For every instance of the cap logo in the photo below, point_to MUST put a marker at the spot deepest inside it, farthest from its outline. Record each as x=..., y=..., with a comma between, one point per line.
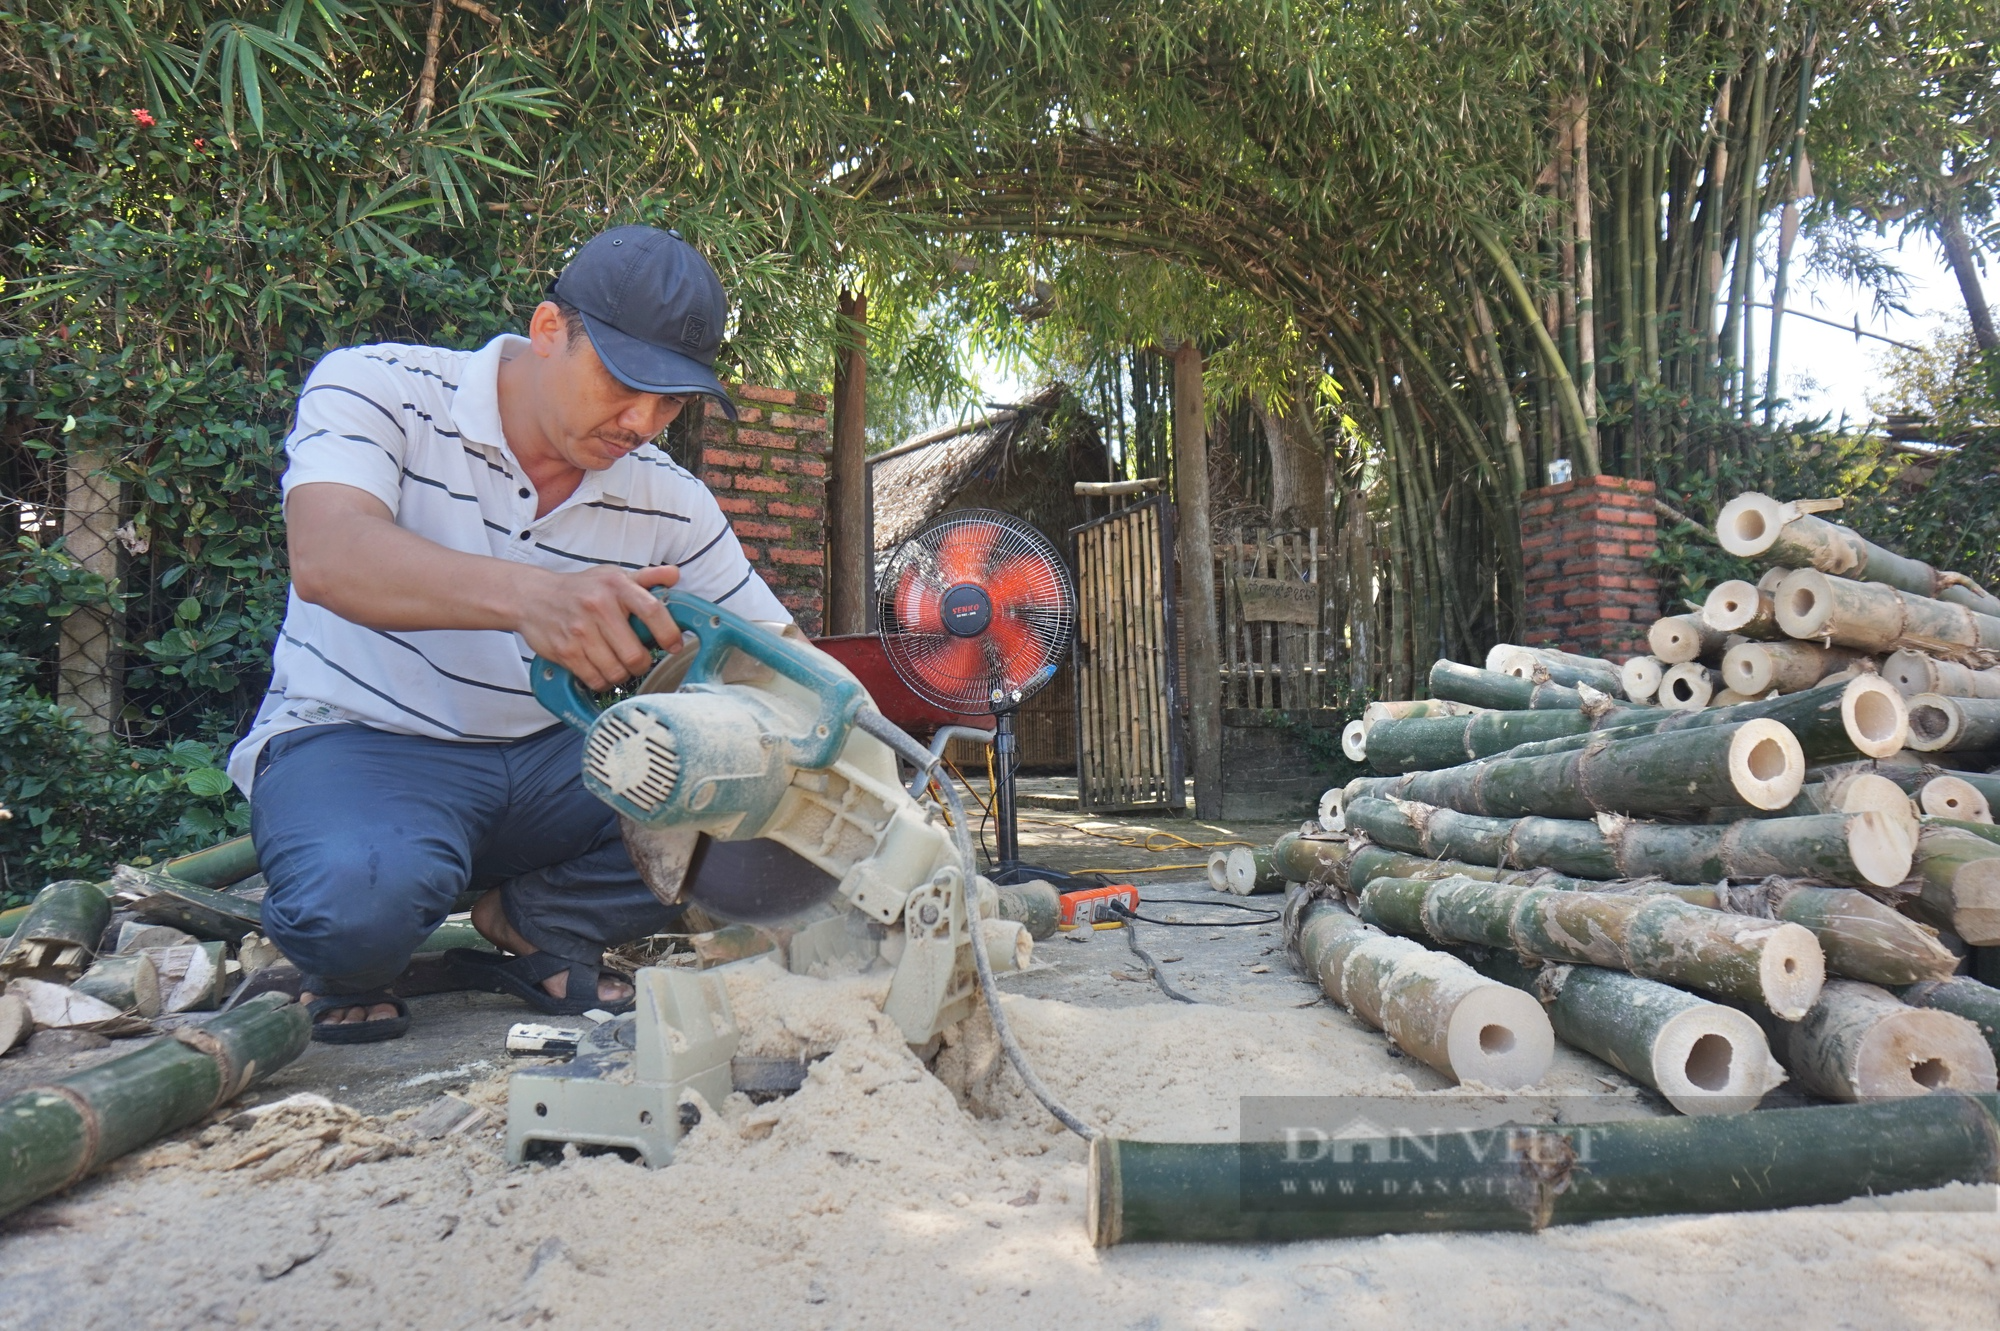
x=694, y=331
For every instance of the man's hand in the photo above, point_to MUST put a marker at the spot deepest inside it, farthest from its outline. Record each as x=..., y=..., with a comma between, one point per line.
x=581, y=621
x=349, y=555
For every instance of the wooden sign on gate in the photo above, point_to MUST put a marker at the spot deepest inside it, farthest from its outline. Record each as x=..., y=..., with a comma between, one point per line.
x=1279, y=601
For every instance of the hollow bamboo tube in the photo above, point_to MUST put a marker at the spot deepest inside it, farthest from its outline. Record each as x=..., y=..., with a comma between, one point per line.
x=1856, y=792
x=1861, y=1042
x=1688, y=686
x=1035, y=905
x=1704, y=1057
x=1303, y=859
x=1525, y=1179
x=1403, y=711
x=1755, y=526
x=1490, y=688
x=1354, y=741
x=1556, y=667
x=1955, y=797
x=1757, y=668
x=1942, y=724
x=1419, y=744
x=1329, y=810
x=1678, y=638
x=1856, y=849
x=1249, y=872
x=1861, y=938
x=1659, y=937
x=1964, y=996
x=1755, y=762
x=1640, y=678
x=1741, y=607
x=1915, y=673
x=128, y=983
x=1958, y=877
x=54, y=1135
x=58, y=935
x=1873, y=618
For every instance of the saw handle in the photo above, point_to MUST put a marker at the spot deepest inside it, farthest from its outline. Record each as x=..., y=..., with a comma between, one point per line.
x=720, y=632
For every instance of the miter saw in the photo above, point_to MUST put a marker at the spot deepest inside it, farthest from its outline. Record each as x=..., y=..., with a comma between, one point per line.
x=754, y=778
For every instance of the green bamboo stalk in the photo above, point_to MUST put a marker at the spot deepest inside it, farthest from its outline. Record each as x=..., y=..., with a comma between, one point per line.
x=1750, y=205
x=1552, y=359
x=1557, y=667
x=219, y=866
x=1496, y=691
x=1422, y=743
x=1525, y=1179
x=58, y=935
x=1303, y=859
x=54, y=1135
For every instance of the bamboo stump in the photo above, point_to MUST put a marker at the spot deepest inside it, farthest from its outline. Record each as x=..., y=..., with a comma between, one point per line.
x=1301, y=859
x=128, y=983
x=1860, y=1042
x=1958, y=884
x=1954, y=797
x=1249, y=872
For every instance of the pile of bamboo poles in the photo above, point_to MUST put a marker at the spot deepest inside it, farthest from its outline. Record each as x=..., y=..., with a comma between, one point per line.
x=1763, y=852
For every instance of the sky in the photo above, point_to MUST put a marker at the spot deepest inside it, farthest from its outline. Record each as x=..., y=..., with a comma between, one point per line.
x=1824, y=370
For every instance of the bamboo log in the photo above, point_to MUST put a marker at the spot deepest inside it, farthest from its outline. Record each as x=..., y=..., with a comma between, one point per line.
x=1678, y=638
x=1854, y=792
x=1490, y=688
x=1875, y=618
x=1954, y=797
x=1839, y=719
x=1915, y=673
x=1957, y=876
x=1302, y=859
x=1729, y=698
x=1860, y=1042
x=52, y=1136
x=1758, y=668
x=158, y=898
x=1547, y=665
x=1329, y=810
x=1963, y=996
x=1852, y=850
x=1756, y=762
x=59, y=934
x=128, y=983
x=1422, y=743
x=1755, y=526
x=1404, y=710
x=1640, y=678
x=1658, y=937
x=1741, y=607
x=1940, y=724
x=1036, y=905
x=1526, y=1178
x=1354, y=741
x=1704, y=1057
x=1688, y=686
x=1250, y=872
x=1435, y=1007
x=219, y=866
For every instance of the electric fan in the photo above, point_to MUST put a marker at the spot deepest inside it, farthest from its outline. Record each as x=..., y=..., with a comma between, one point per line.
x=976, y=612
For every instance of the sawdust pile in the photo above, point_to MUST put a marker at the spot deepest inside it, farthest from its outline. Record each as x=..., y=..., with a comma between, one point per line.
x=872, y=1196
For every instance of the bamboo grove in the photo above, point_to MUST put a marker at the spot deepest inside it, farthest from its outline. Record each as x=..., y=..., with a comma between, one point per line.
x=1431, y=248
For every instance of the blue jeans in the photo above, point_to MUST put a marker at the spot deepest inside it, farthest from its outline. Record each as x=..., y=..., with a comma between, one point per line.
x=366, y=839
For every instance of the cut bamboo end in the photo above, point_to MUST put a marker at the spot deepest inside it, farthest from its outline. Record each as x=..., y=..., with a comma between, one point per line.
x=1911, y=672
x=1748, y=668
x=1687, y=687
x=1766, y=764
x=1882, y=849
x=1640, y=678
x=1875, y=715
x=1749, y=524
x=1920, y=1050
x=1868, y=792
x=1330, y=817
x=1009, y=947
x=1791, y=971
x=1499, y=1036
x=1218, y=870
x=1679, y=638
x=1955, y=797
x=1354, y=741
x=1248, y=871
x=1736, y=606
x=1806, y=604
x=1939, y=722
x=1714, y=1060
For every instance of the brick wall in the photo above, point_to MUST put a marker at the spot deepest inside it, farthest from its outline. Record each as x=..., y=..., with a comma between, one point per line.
x=1585, y=546
x=768, y=471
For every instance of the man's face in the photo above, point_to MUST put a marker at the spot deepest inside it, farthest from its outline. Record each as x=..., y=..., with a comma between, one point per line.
x=591, y=418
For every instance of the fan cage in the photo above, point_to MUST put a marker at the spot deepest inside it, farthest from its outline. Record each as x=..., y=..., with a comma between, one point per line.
x=1034, y=612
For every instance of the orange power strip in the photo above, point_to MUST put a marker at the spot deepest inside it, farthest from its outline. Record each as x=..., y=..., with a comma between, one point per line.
x=1092, y=907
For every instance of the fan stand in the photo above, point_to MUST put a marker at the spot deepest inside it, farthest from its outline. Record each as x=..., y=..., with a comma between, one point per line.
x=1008, y=866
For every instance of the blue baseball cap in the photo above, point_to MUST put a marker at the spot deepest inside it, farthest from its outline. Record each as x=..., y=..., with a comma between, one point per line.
x=654, y=310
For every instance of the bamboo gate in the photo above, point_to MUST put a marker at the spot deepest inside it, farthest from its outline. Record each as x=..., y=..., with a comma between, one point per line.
x=1129, y=753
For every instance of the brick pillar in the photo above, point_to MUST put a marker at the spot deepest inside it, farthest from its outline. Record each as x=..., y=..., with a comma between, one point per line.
x=768, y=471
x=1585, y=546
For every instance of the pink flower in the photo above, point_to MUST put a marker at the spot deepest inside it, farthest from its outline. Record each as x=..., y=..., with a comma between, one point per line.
x=143, y=116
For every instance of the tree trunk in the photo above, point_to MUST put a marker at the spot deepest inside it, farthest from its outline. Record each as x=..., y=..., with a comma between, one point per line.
x=87, y=674
x=1860, y=1042
x=1659, y=937
x=1586, y=282
x=53, y=1136
x=1756, y=526
x=1704, y=1057
x=427, y=76
x=1958, y=252
x=1194, y=550
x=1852, y=850
x=847, y=480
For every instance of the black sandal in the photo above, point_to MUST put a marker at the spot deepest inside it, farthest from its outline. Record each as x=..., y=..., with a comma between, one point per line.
x=522, y=975
x=372, y=1031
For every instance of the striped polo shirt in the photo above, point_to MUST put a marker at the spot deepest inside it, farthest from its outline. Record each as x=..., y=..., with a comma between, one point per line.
x=419, y=428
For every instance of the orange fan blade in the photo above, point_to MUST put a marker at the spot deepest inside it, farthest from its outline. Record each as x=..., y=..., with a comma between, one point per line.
x=963, y=552
x=1025, y=583
x=917, y=603
x=1022, y=652
x=955, y=661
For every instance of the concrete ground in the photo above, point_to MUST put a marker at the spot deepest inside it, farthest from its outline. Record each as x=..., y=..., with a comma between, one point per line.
x=1210, y=951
